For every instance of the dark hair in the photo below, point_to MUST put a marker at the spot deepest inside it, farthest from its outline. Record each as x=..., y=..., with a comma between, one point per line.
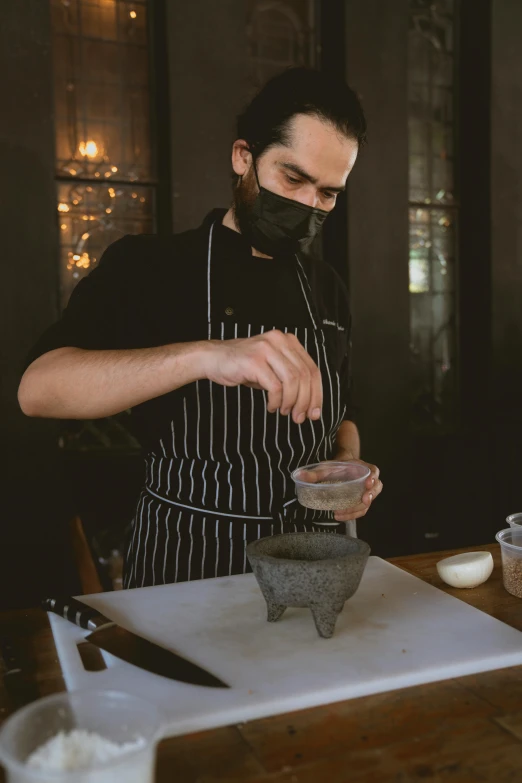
x=264, y=122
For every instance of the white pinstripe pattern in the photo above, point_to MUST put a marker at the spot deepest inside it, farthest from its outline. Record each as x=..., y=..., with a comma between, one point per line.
x=168, y=478
x=277, y=414
x=155, y=547
x=197, y=508
x=301, y=461
x=180, y=485
x=306, y=285
x=208, y=278
x=167, y=528
x=311, y=456
x=145, y=544
x=136, y=525
x=239, y=438
x=177, y=548
x=191, y=480
x=204, y=534
x=217, y=485
x=231, y=551
x=320, y=368
x=204, y=480
x=173, y=439
x=252, y=439
x=271, y=482
x=210, y=387
x=151, y=464
x=198, y=420
x=186, y=428
x=225, y=426
x=160, y=473
x=191, y=547
x=301, y=274
x=163, y=448
x=217, y=546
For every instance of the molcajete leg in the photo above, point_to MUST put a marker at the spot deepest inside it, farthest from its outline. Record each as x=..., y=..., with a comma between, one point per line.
x=274, y=611
x=325, y=616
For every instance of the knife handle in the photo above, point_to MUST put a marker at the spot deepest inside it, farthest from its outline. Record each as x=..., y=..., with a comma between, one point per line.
x=76, y=612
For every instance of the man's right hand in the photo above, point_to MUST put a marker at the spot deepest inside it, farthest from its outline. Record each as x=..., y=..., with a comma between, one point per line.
x=273, y=361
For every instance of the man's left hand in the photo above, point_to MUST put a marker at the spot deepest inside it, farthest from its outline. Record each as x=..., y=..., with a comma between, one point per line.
x=373, y=488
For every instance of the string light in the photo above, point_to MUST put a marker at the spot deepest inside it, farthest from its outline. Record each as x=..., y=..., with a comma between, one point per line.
x=89, y=149
x=62, y=207
x=114, y=169
x=142, y=200
x=134, y=195
x=86, y=235
x=64, y=226
x=108, y=210
x=133, y=14
x=112, y=193
x=85, y=217
x=108, y=174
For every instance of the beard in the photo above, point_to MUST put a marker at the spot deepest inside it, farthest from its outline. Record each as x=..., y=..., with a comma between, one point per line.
x=245, y=194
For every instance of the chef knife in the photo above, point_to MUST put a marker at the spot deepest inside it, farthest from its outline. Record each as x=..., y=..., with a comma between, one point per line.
x=130, y=647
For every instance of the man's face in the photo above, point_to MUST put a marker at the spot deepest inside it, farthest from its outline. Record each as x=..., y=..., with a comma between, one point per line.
x=312, y=170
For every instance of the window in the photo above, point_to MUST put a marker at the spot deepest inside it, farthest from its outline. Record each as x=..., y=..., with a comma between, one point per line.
x=281, y=34
x=104, y=156
x=105, y=172
x=433, y=211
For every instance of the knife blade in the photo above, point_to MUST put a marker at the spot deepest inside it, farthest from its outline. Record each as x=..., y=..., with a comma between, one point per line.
x=130, y=647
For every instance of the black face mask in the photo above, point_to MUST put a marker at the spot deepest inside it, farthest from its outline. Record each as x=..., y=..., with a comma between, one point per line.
x=282, y=226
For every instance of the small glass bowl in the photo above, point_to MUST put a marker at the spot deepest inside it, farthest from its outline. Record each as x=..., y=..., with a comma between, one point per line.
x=116, y=716
x=331, y=486
x=510, y=541
x=514, y=520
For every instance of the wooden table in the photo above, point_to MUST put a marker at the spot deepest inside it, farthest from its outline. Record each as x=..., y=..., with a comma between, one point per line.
x=460, y=731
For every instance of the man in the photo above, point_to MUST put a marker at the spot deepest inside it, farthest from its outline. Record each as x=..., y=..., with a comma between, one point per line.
x=230, y=345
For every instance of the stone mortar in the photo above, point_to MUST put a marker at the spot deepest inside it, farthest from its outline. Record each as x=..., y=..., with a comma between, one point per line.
x=319, y=571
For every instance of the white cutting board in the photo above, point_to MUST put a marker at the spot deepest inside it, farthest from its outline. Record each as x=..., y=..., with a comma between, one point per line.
x=395, y=632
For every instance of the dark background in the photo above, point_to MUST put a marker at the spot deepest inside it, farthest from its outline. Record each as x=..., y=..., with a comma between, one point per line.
x=444, y=486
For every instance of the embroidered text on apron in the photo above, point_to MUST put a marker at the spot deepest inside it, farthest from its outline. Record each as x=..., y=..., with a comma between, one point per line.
x=223, y=476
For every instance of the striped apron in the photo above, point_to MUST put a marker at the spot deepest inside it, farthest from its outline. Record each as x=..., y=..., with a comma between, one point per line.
x=222, y=477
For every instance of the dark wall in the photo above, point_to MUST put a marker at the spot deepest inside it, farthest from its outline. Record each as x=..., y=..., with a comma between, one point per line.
x=376, y=48
x=505, y=412
x=207, y=54
x=506, y=202
x=32, y=535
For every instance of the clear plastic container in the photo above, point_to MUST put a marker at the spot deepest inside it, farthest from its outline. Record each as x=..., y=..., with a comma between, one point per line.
x=331, y=486
x=510, y=541
x=514, y=519
x=115, y=716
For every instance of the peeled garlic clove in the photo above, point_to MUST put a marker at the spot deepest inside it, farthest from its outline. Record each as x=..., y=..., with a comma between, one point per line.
x=469, y=569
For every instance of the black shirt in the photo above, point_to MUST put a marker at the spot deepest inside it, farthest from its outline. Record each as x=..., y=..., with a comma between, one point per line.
x=152, y=290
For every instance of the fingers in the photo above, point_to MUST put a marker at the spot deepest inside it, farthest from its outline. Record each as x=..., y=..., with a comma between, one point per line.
x=348, y=516
x=300, y=377
x=295, y=349
x=362, y=509
x=268, y=380
x=291, y=378
x=376, y=490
